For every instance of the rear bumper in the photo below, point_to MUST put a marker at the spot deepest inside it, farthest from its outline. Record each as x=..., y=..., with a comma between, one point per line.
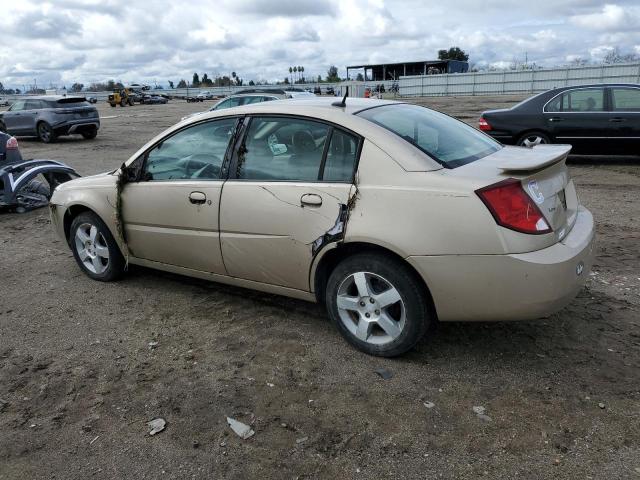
x=510, y=287
x=77, y=126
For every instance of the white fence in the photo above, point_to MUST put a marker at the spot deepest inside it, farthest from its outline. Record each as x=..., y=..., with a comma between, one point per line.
x=517, y=81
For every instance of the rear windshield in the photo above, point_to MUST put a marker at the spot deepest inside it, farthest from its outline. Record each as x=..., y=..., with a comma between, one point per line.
x=69, y=103
x=447, y=140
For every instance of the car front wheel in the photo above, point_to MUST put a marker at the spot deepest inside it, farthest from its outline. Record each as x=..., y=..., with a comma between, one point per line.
x=377, y=304
x=90, y=134
x=95, y=249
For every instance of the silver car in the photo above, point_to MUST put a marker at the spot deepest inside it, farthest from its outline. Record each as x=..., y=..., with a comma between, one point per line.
x=49, y=117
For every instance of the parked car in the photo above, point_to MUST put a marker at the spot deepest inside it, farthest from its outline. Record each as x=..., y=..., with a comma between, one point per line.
x=330, y=91
x=317, y=90
x=206, y=95
x=298, y=93
x=240, y=99
x=153, y=99
x=601, y=118
x=49, y=117
x=92, y=99
x=442, y=223
x=4, y=102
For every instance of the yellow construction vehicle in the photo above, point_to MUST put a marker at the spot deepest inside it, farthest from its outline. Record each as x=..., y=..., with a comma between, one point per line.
x=122, y=97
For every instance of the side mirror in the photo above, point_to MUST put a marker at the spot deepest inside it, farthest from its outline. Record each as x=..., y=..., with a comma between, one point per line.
x=132, y=171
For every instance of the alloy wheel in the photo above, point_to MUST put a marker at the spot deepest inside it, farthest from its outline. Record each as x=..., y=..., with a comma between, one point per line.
x=92, y=248
x=371, y=308
x=44, y=132
x=533, y=140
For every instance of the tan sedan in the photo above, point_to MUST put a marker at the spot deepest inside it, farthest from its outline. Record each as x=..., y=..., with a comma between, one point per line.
x=393, y=215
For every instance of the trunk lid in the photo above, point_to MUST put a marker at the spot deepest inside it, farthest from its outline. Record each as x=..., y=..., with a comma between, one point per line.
x=545, y=178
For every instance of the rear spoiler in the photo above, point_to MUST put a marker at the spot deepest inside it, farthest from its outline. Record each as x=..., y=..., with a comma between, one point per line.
x=514, y=159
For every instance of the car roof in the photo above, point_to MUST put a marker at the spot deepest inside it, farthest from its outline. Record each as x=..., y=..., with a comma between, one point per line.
x=596, y=85
x=53, y=97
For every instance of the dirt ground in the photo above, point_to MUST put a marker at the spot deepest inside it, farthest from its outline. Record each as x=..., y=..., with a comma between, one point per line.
x=79, y=380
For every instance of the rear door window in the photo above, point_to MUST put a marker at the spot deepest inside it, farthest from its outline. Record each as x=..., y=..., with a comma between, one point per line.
x=625, y=99
x=583, y=100
x=341, y=157
x=283, y=149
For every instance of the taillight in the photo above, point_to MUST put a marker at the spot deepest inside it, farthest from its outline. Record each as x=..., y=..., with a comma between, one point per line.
x=512, y=208
x=483, y=125
x=12, y=144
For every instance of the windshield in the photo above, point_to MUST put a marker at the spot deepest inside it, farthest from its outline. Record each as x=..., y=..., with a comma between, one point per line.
x=447, y=140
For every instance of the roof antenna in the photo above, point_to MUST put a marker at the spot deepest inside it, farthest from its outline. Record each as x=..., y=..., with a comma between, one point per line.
x=343, y=103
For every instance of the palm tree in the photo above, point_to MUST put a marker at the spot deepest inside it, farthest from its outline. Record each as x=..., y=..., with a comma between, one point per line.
x=290, y=72
x=302, y=69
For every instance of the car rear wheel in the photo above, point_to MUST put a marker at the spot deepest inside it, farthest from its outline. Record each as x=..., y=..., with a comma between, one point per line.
x=90, y=134
x=3, y=128
x=532, y=139
x=46, y=133
x=95, y=249
x=377, y=304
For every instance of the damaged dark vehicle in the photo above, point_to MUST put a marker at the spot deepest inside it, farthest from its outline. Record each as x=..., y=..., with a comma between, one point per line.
x=27, y=184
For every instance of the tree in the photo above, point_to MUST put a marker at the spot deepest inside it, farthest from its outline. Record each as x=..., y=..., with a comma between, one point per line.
x=1, y=88
x=301, y=69
x=359, y=77
x=196, y=80
x=77, y=87
x=332, y=74
x=454, y=53
x=614, y=56
x=182, y=84
x=290, y=71
x=170, y=84
x=251, y=83
x=286, y=80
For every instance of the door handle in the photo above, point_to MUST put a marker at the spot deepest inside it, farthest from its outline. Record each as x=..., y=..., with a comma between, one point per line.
x=617, y=119
x=311, y=200
x=555, y=119
x=197, y=198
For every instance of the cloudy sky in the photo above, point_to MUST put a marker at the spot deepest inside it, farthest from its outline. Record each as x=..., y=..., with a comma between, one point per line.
x=63, y=41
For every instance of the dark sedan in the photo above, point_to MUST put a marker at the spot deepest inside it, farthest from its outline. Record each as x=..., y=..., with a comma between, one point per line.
x=602, y=118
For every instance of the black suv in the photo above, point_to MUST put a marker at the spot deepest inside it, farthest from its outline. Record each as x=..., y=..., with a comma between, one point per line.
x=51, y=116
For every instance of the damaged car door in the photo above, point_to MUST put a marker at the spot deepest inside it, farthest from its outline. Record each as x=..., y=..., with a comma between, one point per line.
x=171, y=212
x=290, y=182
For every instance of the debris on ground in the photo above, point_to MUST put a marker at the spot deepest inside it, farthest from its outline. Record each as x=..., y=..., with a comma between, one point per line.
x=156, y=425
x=3, y=404
x=301, y=440
x=242, y=430
x=384, y=373
x=601, y=405
x=485, y=418
x=429, y=404
x=479, y=410
x=153, y=345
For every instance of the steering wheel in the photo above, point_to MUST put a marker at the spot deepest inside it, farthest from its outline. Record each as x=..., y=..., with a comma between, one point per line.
x=196, y=162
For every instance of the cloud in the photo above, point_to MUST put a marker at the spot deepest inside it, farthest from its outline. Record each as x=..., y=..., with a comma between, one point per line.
x=285, y=8
x=611, y=17
x=66, y=41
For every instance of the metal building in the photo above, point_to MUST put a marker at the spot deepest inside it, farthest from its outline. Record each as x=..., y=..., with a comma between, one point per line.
x=393, y=71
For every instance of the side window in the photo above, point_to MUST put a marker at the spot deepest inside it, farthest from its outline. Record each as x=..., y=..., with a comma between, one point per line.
x=341, y=157
x=584, y=100
x=229, y=102
x=17, y=106
x=32, y=104
x=279, y=148
x=626, y=99
x=194, y=153
x=253, y=99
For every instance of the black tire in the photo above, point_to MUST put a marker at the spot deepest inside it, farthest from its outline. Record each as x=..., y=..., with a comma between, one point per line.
x=116, y=264
x=46, y=134
x=113, y=104
x=527, y=140
x=3, y=128
x=413, y=300
x=91, y=134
